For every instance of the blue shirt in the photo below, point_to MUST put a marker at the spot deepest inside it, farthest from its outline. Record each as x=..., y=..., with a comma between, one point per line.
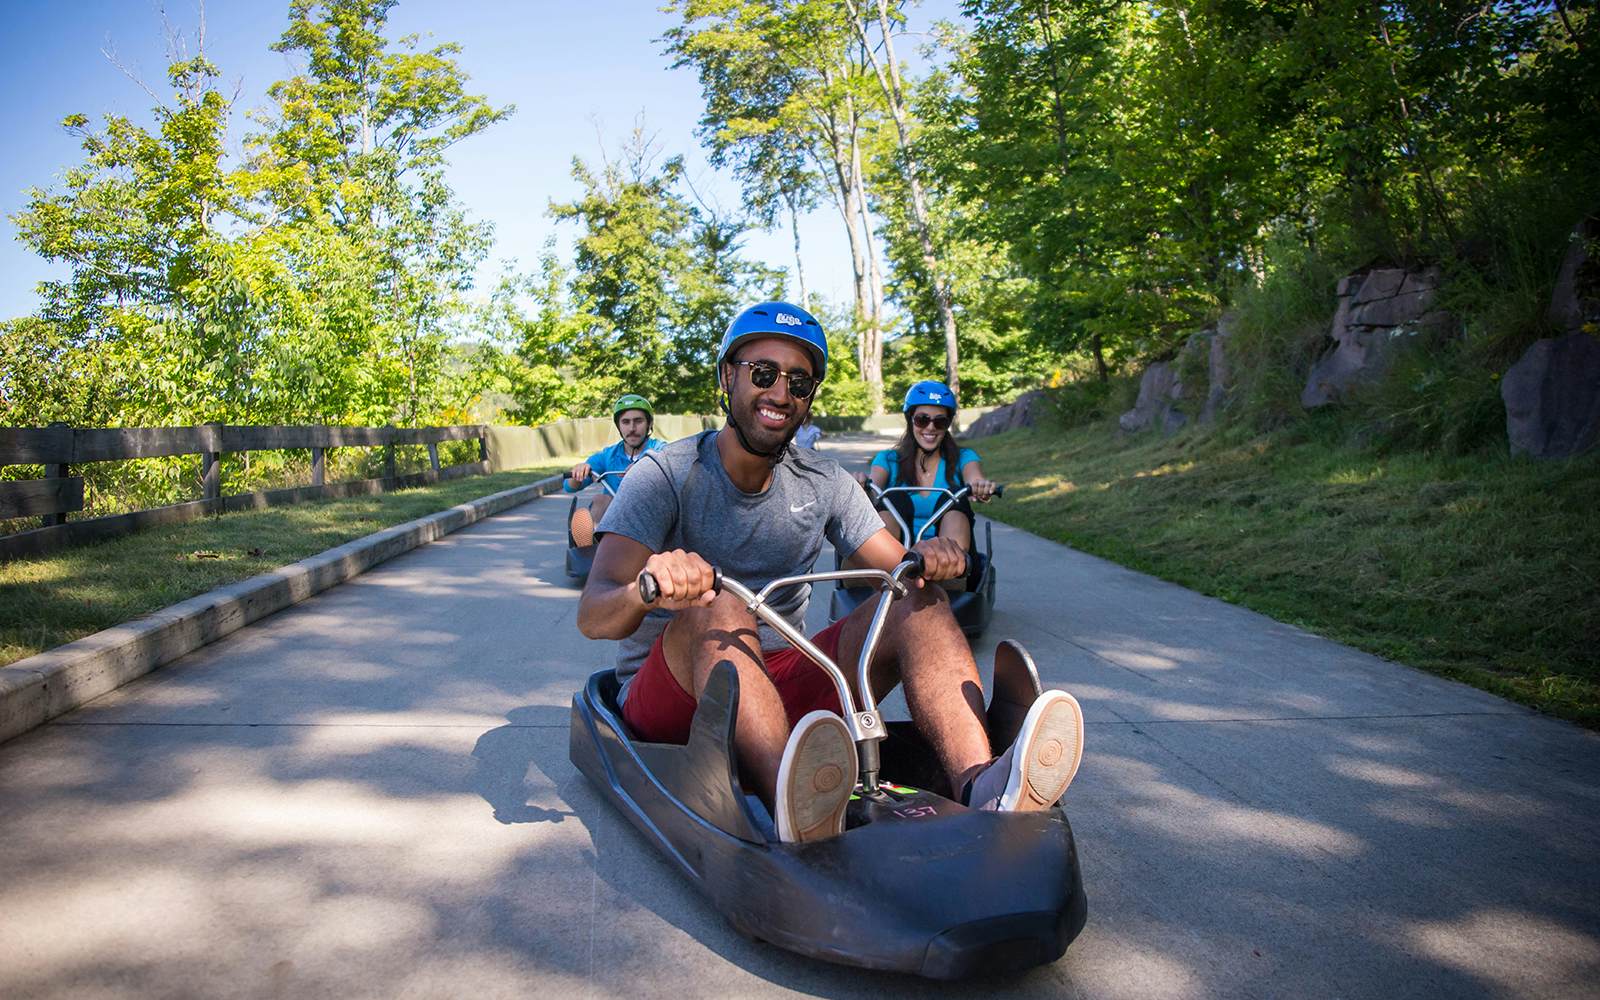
x=612, y=459
x=923, y=503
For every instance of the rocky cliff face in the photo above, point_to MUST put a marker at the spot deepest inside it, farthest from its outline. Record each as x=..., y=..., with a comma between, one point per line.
x=1380, y=313
x=1168, y=401
x=1022, y=413
x=1552, y=393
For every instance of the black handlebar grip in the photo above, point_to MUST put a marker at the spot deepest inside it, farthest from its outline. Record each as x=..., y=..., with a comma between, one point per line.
x=999, y=489
x=650, y=590
x=917, y=564
x=566, y=475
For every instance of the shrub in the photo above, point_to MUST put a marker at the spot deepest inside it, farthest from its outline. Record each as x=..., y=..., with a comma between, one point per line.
x=1281, y=325
x=1089, y=400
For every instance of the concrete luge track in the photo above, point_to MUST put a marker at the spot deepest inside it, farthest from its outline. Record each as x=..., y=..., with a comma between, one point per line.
x=368, y=795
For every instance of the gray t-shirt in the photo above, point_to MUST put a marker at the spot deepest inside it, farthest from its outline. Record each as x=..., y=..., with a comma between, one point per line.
x=680, y=497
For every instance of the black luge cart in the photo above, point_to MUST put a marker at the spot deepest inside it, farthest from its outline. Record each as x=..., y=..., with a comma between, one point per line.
x=917, y=883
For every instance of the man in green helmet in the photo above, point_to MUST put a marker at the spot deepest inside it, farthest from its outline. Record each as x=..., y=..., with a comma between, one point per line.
x=635, y=419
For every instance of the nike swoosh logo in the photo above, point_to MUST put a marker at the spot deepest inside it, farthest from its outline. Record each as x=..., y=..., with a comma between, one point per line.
x=795, y=510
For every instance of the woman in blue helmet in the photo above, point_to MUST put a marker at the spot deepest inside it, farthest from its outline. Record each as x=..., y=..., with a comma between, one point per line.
x=928, y=455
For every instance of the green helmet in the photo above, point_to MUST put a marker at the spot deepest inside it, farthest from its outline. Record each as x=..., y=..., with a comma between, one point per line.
x=632, y=401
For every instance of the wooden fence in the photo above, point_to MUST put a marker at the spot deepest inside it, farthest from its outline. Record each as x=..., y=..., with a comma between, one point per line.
x=60, y=447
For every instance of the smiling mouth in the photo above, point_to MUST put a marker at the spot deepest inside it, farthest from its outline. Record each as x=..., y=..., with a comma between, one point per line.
x=772, y=418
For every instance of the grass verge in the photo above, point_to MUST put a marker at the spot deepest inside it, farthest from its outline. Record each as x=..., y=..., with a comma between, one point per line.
x=1482, y=568
x=53, y=600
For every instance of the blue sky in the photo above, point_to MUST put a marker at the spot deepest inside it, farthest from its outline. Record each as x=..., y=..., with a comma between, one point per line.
x=579, y=73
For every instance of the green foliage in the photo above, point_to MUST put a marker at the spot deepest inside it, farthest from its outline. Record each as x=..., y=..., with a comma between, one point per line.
x=1444, y=399
x=792, y=106
x=655, y=282
x=1279, y=327
x=1086, y=401
x=1142, y=165
x=307, y=284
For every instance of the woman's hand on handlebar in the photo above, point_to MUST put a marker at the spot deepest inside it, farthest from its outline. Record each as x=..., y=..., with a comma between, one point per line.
x=942, y=559
x=683, y=579
x=983, y=490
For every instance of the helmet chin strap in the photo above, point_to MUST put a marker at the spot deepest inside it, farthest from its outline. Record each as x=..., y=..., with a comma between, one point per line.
x=775, y=456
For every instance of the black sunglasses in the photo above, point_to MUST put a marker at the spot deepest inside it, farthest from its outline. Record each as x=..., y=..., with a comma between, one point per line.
x=801, y=385
x=939, y=422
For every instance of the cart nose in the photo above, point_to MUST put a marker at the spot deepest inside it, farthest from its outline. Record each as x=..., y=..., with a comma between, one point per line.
x=1003, y=945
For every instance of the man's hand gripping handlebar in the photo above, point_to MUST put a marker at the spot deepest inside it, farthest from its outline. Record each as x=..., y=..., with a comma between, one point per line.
x=678, y=579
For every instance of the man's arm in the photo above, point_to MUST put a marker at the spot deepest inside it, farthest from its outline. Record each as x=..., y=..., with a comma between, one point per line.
x=611, y=608
x=582, y=472
x=942, y=558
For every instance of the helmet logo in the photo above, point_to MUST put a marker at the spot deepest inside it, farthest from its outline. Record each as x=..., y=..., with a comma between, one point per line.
x=935, y=396
x=784, y=319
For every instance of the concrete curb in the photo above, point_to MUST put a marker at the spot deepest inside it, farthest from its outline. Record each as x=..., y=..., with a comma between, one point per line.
x=35, y=690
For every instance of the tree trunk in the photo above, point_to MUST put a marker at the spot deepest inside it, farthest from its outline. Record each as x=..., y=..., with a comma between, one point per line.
x=799, y=266
x=845, y=197
x=889, y=81
x=872, y=333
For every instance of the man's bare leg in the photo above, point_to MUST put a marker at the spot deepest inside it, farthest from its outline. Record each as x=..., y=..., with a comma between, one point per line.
x=695, y=642
x=923, y=646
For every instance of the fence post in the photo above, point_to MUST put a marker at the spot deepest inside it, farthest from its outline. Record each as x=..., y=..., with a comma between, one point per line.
x=388, y=452
x=59, y=471
x=211, y=464
x=318, y=468
x=483, y=445
x=433, y=455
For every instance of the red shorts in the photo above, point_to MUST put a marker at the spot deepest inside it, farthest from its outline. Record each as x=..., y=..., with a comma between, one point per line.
x=658, y=709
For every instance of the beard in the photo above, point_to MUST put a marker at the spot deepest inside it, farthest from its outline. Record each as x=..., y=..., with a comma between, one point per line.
x=758, y=431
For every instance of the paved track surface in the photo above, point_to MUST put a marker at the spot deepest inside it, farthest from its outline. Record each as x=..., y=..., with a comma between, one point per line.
x=368, y=795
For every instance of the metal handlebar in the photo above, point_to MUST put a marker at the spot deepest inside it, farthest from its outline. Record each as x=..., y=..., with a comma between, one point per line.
x=952, y=497
x=599, y=477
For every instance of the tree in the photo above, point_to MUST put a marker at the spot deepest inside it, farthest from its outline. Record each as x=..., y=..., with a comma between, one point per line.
x=655, y=279
x=1026, y=133
x=354, y=152
x=155, y=286
x=782, y=81
x=887, y=71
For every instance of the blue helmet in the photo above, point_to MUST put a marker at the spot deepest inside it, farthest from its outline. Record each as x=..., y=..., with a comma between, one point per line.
x=929, y=393
x=777, y=319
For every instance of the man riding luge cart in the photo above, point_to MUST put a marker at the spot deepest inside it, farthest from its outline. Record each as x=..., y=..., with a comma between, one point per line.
x=727, y=696
x=634, y=419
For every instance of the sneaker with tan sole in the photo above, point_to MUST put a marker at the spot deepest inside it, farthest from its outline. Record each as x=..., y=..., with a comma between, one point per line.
x=815, y=779
x=1035, y=771
x=582, y=528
